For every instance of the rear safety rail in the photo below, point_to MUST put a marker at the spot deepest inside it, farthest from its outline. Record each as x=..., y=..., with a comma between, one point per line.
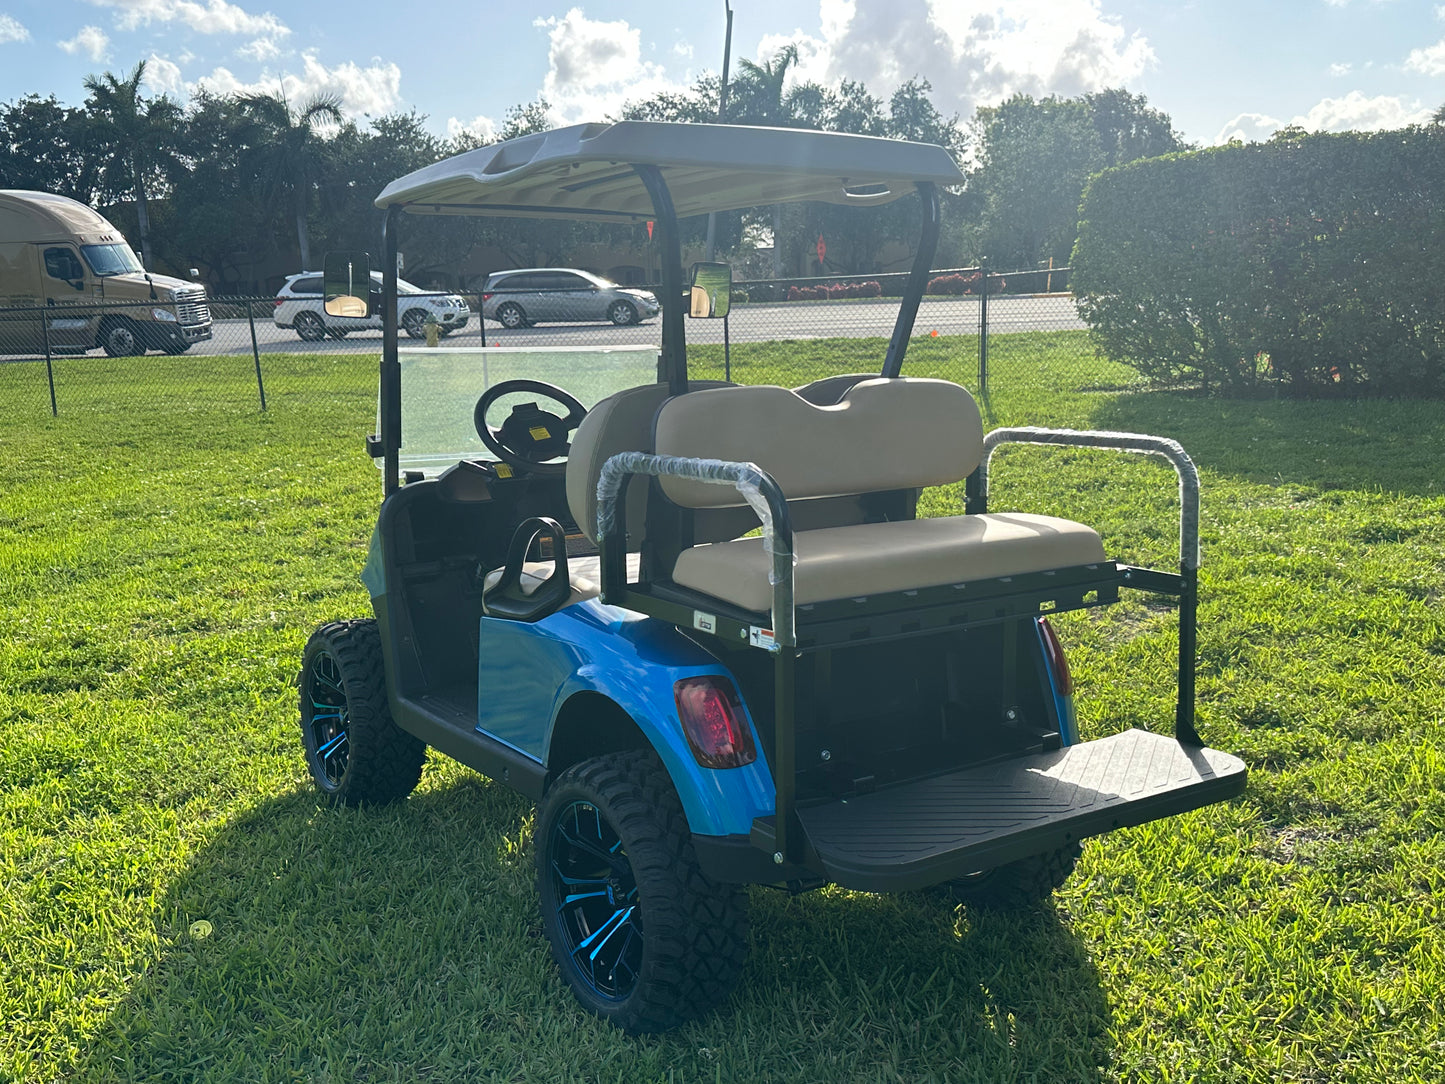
x=1187, y=585
x=757, y=487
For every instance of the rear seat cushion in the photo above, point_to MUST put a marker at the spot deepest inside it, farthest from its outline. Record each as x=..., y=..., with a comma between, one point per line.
x=882, y=434
x=875, y=558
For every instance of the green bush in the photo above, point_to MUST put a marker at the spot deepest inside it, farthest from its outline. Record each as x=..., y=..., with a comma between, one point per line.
x=1314, y=261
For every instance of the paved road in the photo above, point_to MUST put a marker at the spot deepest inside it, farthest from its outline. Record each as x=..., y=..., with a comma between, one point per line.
x=749, y=323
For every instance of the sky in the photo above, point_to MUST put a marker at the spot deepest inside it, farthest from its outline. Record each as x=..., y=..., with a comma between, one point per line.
x=1221, y=69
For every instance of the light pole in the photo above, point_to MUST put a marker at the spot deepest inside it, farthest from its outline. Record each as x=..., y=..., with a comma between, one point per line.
x=722, y=105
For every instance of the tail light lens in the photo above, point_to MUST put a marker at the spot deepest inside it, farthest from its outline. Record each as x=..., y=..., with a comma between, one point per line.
x=1058, y=663
x=486, y=297
x=278, y=302
x=713, y=720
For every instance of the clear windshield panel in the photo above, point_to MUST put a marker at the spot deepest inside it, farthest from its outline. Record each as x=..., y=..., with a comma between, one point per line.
x=110, y=259
x=440, y=387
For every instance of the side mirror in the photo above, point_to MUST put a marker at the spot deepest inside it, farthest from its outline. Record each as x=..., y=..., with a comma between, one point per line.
x=346, y=284
x=712, y=290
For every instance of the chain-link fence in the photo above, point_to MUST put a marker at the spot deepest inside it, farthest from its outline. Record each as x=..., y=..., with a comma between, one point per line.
x=995, y=333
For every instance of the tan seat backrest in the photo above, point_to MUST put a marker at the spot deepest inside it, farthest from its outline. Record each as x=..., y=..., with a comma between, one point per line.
x=882, y=434
x=619, y=423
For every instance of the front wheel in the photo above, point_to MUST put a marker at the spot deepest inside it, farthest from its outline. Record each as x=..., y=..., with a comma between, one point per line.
x=641, y=936
x=121, y=339
x=622, y=313
x=356, y=752
x=1016, y=885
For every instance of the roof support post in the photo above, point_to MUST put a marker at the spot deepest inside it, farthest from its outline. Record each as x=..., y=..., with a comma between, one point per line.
x=390, y=361
x=917, y=278
x=673, y=366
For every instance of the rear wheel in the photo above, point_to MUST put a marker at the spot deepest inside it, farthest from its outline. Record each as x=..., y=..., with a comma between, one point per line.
x=120, y=338
x=1016, y=885
x=644, y=940
x=356, y=752
x=309, y=326
x=511, y=315
x=414, y=323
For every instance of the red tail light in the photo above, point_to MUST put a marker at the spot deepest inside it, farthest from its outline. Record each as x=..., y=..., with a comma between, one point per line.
x=1058, y=664
x=713, y=720
x=278, y=302
x=486, y=297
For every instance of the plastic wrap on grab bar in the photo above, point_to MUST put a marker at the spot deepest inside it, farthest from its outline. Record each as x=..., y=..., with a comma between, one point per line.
x=747, y=478
x=1141, y=443
x=750, y=480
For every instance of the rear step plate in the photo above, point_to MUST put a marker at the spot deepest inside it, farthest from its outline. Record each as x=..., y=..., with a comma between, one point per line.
x=918, y=834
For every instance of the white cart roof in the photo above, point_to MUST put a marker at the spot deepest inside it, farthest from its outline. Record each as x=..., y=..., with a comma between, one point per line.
x=586, y=171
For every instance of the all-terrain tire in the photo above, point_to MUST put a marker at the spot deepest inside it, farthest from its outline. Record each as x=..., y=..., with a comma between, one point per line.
x=642, y=937
x=356, y=752
x=1017, y=885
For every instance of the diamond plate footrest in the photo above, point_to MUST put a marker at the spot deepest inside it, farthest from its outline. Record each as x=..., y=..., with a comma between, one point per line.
x=923, y=833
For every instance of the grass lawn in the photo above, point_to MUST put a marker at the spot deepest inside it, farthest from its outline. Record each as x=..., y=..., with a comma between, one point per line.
x=175, y=904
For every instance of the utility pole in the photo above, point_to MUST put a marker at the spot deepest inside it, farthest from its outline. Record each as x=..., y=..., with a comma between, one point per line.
x=722, y=107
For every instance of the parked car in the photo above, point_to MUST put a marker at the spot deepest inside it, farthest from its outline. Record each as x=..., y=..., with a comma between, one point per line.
x=531, y=295
x=299, y=306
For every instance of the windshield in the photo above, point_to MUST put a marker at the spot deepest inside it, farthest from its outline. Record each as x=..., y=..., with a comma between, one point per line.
x=440, y=388
x=110, y=259
x=402, y=286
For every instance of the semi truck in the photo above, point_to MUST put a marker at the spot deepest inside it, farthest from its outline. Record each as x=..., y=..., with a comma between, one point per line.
x=69, y=282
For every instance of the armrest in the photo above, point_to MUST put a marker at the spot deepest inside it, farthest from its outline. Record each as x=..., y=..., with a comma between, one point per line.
x=1140, y=443
x=757, y=487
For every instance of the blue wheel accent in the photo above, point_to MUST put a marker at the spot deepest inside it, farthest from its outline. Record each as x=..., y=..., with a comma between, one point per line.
x=330, y=718
x=597, y=910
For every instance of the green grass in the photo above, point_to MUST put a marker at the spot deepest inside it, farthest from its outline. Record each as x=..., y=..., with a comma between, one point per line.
x=162, y=564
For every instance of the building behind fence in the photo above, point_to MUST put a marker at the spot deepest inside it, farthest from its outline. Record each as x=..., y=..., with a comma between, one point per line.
x=999, y=330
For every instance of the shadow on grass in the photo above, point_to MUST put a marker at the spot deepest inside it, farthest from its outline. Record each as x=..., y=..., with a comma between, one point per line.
x=404, y=943
x=1374, y=444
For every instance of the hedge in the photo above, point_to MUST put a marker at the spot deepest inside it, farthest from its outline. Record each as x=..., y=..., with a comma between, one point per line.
x=1313, y=262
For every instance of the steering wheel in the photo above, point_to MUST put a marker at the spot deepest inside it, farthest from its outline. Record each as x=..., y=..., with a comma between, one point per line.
x=530, y=436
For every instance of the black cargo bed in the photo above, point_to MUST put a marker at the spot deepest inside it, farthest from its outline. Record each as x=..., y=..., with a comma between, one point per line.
x=919, y=834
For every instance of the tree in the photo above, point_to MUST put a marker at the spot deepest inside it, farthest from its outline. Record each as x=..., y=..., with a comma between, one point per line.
x=140, y=137
x=288, y=149
x=48, y=147
x=1128, y=129
x=759, y=99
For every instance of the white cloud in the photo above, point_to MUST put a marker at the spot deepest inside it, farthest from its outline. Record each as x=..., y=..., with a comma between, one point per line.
x=1249, y=128
x=1428, y=61
x=974, y=53
x=164, y=76
x=92, y=41
x=260, y=50
x=202, y=16
x=595, y=67
x=485, y=128
x=1338, y=70
x=1352, y=113
x=11, y=30
x=375, y=89
x=1355, y=112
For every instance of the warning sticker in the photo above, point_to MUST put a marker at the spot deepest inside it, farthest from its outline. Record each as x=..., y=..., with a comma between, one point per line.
x=503, y=470
x=704, y=622
x=540, y=432
x=760, y=637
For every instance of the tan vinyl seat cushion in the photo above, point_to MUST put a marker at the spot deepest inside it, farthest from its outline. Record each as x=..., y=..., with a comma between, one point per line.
x=584, y=574
x=874, y=558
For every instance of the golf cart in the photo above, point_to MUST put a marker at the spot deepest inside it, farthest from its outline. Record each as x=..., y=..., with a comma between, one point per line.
x=572, y=596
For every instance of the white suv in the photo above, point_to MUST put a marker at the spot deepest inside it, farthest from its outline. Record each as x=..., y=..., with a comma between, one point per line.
x=299, y=306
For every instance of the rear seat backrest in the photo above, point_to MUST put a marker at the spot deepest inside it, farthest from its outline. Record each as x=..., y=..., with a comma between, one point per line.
x=882, y=434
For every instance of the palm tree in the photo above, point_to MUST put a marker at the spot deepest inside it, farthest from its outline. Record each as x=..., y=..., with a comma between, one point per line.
x=140, y=136
x=761, y=101
x=290, y=148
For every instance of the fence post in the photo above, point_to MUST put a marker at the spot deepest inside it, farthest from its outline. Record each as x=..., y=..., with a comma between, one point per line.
x=49, y=371
x=256, y=352
x=983, y=329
